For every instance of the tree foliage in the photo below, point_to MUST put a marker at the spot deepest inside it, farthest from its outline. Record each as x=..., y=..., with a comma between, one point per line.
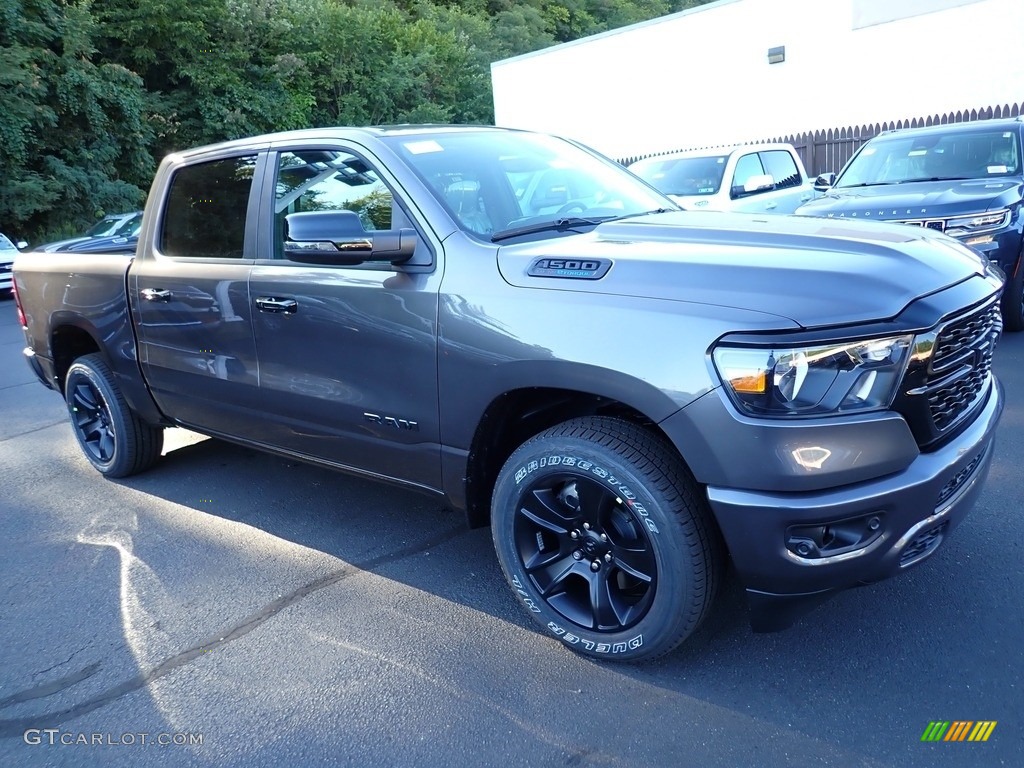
x=74, y=143
x=94, y=91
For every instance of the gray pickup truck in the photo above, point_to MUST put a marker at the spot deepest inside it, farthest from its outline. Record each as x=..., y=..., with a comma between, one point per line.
x=629, y=394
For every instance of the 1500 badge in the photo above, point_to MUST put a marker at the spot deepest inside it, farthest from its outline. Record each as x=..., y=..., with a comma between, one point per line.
x=582, y=269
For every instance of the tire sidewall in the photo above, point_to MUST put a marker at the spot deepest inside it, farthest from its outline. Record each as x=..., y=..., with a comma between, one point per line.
x=83, y=370
x=665, y=621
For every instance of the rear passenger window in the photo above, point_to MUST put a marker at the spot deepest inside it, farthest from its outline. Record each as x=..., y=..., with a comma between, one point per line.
x=206, y=207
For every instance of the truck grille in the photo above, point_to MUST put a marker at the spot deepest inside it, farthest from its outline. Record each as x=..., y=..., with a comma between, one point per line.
x=939, y=395
x=937, y=224
x=962, y=362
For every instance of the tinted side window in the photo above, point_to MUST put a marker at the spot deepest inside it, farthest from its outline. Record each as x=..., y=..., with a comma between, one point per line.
x=747, y=167
x=206, y=207
x=780, y=165
x=330, y=180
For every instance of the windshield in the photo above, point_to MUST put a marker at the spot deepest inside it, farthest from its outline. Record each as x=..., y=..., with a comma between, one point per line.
x=5, y=244
x=683, y=175
x=129, y=227
x=105, y=226
x=492, y=182
x=900, y=158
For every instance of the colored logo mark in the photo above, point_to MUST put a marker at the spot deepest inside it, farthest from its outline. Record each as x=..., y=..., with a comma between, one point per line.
x=958, y=730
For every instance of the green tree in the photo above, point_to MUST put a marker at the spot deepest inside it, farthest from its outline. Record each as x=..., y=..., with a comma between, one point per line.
x=74, y=143
x=213, y=69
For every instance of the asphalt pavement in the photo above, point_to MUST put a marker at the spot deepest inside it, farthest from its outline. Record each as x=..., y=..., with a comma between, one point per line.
x=230, y=608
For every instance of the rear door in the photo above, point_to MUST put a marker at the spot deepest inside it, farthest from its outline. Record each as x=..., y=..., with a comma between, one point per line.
x=347, y=354
x=190, y=295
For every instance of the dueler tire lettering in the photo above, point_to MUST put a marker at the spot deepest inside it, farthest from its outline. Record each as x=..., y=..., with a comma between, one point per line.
x=112, y=437
x=606, y=539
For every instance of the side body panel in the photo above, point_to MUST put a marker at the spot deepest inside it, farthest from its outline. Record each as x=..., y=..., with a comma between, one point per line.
x=194, y=323
x=63, y=295
x=349, y=374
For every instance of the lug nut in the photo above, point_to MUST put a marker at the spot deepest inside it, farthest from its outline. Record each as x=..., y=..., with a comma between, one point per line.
x=577, y=555
x=574, y=535
x=608, y=557
x=803, y=549
x=604, y=537
x=586, y=526
x=874, y=524
x=596, y=565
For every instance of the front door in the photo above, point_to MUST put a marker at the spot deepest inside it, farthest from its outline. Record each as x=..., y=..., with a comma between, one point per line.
x=347, y=355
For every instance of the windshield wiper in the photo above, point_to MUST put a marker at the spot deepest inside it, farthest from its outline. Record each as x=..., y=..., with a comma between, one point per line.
x=645, y=213
x=866, y=184
x=937, y=178
x=557, y=225
x=902, y=181
x=568, y=223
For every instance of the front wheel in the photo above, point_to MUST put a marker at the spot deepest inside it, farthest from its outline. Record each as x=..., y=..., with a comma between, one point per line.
x=605, y=539
x=114, y=439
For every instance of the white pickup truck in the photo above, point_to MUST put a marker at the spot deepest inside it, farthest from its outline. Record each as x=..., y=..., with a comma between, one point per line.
x=753, y=178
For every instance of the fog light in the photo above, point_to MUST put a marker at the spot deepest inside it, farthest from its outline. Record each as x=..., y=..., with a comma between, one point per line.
x=838, y=537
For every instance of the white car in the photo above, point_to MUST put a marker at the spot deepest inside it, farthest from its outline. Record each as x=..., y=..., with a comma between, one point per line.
x=754, y=178
x=8, y=251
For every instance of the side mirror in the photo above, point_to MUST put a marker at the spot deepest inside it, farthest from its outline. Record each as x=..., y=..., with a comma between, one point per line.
x=21, y=245
x=338, y=237
x=759, y=183
x=825, y=181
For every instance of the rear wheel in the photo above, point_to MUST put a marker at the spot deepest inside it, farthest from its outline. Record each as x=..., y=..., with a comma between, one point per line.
x=115, y=441
x=604, y=536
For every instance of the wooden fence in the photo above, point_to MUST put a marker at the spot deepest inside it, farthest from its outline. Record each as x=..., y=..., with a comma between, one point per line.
x=828, y=150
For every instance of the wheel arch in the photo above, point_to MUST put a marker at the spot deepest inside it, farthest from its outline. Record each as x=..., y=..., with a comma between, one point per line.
x=516, y=415
x=70, y=339
x=72, y=336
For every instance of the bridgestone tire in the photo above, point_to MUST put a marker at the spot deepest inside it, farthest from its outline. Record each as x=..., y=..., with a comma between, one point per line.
x=605, y=539
x=112, y=437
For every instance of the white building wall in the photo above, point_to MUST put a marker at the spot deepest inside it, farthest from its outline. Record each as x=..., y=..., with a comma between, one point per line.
x=702, y=77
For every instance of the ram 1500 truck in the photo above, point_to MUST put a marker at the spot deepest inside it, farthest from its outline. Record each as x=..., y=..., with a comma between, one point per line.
x=964, y=179
x=629, y=394
x=751, y=178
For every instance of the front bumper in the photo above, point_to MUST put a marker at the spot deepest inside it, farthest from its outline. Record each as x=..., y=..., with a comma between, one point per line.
x=915, y=510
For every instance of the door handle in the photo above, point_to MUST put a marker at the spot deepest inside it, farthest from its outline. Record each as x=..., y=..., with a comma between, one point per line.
x=771, y=205
x=155, y=294
x=270, y=304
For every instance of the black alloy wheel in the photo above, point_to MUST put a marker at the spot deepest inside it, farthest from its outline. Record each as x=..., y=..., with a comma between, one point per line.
x=606, y=539
x=585, y=552
x=112, y=436
x=91, y=419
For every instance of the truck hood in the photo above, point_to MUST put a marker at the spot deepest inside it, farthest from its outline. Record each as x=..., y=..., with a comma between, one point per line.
x=917, y=200
x=813, y=272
